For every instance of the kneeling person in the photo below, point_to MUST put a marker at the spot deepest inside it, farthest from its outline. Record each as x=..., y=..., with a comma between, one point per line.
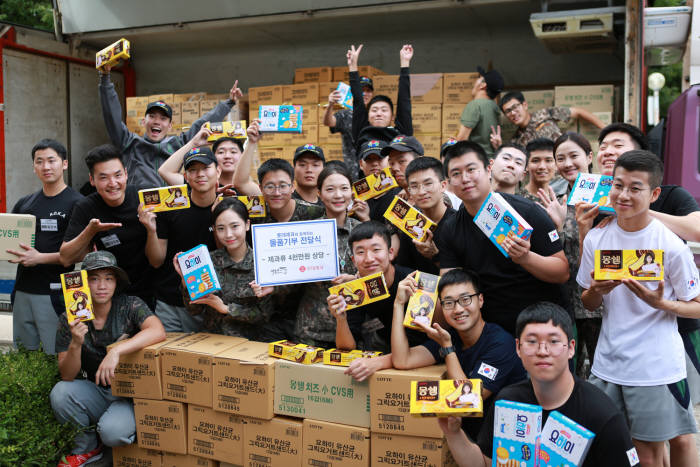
x=84, y=397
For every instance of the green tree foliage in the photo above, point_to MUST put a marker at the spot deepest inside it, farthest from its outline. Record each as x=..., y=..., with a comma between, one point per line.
x=34, y=13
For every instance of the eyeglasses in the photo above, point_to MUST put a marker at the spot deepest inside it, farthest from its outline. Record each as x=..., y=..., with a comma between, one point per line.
x=282, y=187
x=632, y=190
x=427, y=186
x=464, y=300
x=553, y=346
x=458, y=175
x=512, y=108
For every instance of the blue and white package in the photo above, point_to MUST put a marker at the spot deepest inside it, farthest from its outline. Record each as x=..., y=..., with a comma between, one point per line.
x=281, y=118
x=593, y=189
x=345, y=95
x=516, y=429
x=497, y=219
x=198, y=272
x=564, y=443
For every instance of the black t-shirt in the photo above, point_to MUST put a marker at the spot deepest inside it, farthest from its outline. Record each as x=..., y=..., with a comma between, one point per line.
x=184, y=229
x=127, y=243
x=589, y=407
x=507, y=287
x=492, y=359
x=52, y=216
x=378, y=206
x=410, y=256
x=371, y=324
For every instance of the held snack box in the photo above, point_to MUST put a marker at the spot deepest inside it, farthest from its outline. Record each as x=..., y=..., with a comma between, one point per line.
x=497, y=219
x=198, y=272
x=594, y=189
x=338, y=357
x=255, y=205
x=300, y=353
x=281, y=118
x=641, y=265
x=345, y=95
x=516, y=429
x=421, y=305
x=110, y=55
x=76, y=294
x=362, y=291
x=447, y=397
x=167, y=198
x=373, y=186
x=409, y=219
x=20, y=228
x=563, y=441
x=219, y=130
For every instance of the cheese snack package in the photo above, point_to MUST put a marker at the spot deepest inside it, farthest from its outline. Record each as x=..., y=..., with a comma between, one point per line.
x=167, y=198
x=421, y=305
x=563, y=441
x=447, y=397
x=373, y=186
x=409, y=219
x=497, y=219
x=219, y=130
x=76, y=295
x=198, y=272
x=362, y=291
x=516, y=431
x=281, y=118
x=641, y=265
x=299, y=353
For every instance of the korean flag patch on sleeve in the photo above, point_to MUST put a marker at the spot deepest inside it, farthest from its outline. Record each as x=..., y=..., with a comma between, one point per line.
x=554, y=235
x=488, y=371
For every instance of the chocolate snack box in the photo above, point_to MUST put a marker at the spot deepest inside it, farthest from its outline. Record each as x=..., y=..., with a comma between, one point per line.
x=76, y=294
x=219, y=130
x=362, y=291
x=373, y=186
x=640, y=265
x=299, y=353
x=255, y=205
x=444, y=398
x=409, y=219
x=111, y=55
x=338, y=357
x=421, y=305
x=168, y=198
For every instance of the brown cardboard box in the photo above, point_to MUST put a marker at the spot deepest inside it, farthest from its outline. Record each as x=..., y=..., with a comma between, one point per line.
x=161, y=425
x=387, y=85
x=138, y=373
x=190, y=112
x=299, y=94
x=537, y=100
x=192, y=96
x=333, y=152
x=451, y=114
x=272, y=443
x=313, y=75
x=186, y=460
x=217, y=97
x=244, y=380
x=427, y=118
x=293, y=140
x=426, y=88
x=325, y=137
x=207, y=105
x=389, y=402
x=270, y=152
x=186, y=366
x=410, y=450
x=309, y=114
x=457, y=87
x=265, y=95
x=595, y=98
x=214, y=435
x=320, y=392
x=134, y=124
x=18, y=228
x=341, y=73
x=136, y=106
x=133, y=456
x=431, y=143
x=329, y=443
x=167, y=98
x=177, y=114
x=324, y=90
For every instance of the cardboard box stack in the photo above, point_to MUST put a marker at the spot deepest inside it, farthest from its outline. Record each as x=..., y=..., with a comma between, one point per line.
x=597, y=99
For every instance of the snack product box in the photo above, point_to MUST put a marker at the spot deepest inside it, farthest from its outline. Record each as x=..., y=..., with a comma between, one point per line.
x=373, y=186
x=447, y=397
x=255, y=205
x=594, y=189
x=171, y=459
x=327, y=444
x=362, y=291
x=281, y=118
x=214, y=435
x=421, y=305
x=413, y=451
x=16, y=229
x=167, y=198
x=346, y=95
x=516, y=429
x=161, y=425
x=110, y=55
x=408, y=219
x=198, y=272
x=339, y=357
x=300, y=353
x=76, y=295
x=272, y=443
x=641, y=265
x=563, y=441
x=132, y=455
x=497, y=219
x=219, y=130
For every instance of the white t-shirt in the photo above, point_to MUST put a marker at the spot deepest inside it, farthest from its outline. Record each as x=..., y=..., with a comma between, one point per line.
x=640, y=345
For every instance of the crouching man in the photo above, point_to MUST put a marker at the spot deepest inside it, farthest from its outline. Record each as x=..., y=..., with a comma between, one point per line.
x=84, y=397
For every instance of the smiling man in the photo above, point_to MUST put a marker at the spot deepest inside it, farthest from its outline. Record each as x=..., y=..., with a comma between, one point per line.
x=541, y=167
x=308, y=163
x=508, y=168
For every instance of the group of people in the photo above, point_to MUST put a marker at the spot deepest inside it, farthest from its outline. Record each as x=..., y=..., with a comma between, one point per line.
x=525, y=324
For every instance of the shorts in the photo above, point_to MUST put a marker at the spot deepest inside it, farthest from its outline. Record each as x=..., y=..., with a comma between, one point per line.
x=653, y=413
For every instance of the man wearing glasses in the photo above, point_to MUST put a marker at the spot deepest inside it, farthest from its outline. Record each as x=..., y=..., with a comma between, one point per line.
x=533, y=269
x=470, y=347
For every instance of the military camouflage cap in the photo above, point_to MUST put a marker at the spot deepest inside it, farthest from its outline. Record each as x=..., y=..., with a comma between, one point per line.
x=105, y=260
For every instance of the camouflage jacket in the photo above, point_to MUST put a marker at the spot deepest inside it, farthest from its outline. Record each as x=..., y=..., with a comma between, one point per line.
x=544, y=123
x=247, y=314
x=315, y=324
x=343, y=125
x=303, y=211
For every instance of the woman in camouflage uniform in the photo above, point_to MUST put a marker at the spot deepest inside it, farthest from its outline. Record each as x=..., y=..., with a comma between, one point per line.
x=242, y=307
x=573, y=155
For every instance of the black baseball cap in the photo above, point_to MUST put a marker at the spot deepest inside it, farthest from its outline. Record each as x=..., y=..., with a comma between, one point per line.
x=311, y=149
x=404, y=144
x=162, y=106
x=446, y=145
x=202, y=154
x=366, y=82
x=373, y=146
x=493, y=79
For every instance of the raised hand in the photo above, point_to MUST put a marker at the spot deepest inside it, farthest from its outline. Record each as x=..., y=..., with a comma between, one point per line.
x=353, y=55
x=406, y=54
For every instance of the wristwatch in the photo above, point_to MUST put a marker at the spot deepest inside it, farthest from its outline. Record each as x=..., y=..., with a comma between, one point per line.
x=445, y=351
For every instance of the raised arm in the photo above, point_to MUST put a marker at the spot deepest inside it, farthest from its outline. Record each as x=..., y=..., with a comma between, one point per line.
x=118, y=133
x=74, y=251
x=69, y=362
x=404, y=119
x=329, y=115
x=170, y=169
x=360, y=118
x=241, y=178
x=217, y=114
x=577, y=112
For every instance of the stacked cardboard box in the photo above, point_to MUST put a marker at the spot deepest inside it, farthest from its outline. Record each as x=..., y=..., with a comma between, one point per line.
x=597, y=99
